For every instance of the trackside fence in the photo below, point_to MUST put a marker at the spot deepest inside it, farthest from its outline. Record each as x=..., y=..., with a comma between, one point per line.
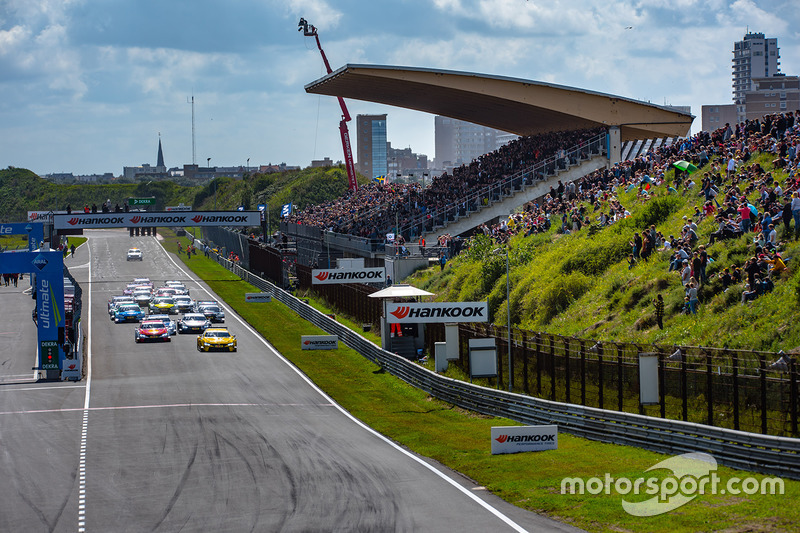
x=738, y=449
x=721, y=387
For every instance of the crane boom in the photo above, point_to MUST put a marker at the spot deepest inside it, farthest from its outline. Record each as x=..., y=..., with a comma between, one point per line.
x=310, y=31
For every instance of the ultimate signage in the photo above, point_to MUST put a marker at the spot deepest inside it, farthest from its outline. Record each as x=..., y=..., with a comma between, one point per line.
x=159, y=218
x=441, y=312
x=348, y=275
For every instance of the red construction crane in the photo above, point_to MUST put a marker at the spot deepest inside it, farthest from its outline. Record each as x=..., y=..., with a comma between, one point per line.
x=310, y=31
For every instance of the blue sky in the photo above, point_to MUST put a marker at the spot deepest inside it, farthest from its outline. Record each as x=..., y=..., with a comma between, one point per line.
x=86, y=86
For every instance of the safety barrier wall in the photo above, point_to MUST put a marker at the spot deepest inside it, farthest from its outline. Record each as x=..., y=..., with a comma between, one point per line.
x=738, y=449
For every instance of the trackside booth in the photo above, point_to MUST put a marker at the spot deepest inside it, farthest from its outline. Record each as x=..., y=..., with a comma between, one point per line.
x=403, y=313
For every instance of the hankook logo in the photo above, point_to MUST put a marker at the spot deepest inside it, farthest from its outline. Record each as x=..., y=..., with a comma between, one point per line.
x=401, y=312
x=322, y=276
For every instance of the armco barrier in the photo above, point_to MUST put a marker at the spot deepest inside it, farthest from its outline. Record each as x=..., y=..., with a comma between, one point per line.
x=738, y=449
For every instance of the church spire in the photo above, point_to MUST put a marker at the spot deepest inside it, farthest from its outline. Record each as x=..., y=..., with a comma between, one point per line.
x=160, y=162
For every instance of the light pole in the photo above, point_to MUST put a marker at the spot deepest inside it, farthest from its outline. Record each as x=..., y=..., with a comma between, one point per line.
x=508, y=324
x=248, y=165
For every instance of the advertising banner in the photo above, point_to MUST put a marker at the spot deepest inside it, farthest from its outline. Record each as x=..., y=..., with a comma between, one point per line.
x=319, y=342
x=348, y=275
x=43, y=216
x=256, y=297
x=439, y=312
x=143, y=219
x=516, y=439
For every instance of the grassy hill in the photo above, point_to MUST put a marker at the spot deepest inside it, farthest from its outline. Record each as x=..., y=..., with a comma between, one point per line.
x=21, y=191
x=580, y=285
x=304, y=187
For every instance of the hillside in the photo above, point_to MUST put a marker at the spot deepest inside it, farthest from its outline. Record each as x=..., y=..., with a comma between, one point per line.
x=21, y=191
x=301, y=187
x=579, y=284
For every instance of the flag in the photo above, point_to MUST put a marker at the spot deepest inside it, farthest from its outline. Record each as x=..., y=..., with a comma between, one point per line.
x=379, y=179
x=286, y=210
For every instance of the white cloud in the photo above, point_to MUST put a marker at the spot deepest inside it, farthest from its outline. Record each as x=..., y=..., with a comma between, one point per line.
x=317, y=12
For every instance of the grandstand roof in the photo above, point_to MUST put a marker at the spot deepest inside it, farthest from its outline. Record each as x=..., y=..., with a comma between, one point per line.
x=514, y=105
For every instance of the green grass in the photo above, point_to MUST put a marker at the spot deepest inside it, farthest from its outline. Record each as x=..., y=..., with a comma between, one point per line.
x=580, y=285
x=460, y=439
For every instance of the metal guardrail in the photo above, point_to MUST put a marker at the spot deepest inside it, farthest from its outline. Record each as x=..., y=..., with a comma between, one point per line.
x=738, y=449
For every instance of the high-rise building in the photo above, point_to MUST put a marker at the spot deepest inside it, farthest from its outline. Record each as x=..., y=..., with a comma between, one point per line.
x=458, y=142
x=753, y=57
x=372, y=145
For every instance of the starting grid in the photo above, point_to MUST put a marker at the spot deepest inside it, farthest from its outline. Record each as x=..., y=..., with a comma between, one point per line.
x=47, y=266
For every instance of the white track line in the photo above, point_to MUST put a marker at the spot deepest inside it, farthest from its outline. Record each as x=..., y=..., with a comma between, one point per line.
x=469, y=494
x=87, y=394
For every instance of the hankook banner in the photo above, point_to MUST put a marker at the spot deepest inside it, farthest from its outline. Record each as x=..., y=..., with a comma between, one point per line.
x=144, y=219
x=319, y=342
x=415, y=313
x=516, y=439
x=348, y=275
x=43, y=216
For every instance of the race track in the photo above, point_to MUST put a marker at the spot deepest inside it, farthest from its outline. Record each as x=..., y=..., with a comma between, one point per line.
x=161, y=437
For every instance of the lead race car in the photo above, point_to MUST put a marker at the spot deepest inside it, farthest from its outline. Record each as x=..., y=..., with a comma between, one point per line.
x=151, y=330
x=216, y=339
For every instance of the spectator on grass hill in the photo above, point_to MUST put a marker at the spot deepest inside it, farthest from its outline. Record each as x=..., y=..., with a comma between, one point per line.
x=658, y=303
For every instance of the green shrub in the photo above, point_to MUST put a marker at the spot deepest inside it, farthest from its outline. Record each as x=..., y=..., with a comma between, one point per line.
x=560, y=294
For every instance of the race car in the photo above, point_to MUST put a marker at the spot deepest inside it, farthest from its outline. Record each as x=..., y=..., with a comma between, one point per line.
x=178, y=286
x=165, y=291
x=134, y=254
x=184, y=303
x=116, y=300
x=142, y=297
x=163, y=304
x=127, y=313
x=193, y=322
x=129, y=288
x=166, y=320
x=212, y=311
x=151, y=330
x=216, y=339
x=144, y=282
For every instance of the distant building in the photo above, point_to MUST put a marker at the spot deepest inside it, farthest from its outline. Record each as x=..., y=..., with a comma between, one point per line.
x=68, y=177
x=321, y=163
x=756, y=60
x=270, y=168
x=404, y=162
x=755, y=56
x=716, y=116
x=146, y=171
x=777, y=94
x=372, y=145
x=458, y=142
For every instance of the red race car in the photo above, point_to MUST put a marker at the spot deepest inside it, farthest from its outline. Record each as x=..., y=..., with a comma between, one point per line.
x=153, y=330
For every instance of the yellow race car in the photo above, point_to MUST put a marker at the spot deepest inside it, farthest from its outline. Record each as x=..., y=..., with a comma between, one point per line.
x=163, y=305
x=216, y=339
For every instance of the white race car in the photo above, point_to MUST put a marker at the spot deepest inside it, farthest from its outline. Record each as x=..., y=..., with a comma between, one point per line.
x=134, y=254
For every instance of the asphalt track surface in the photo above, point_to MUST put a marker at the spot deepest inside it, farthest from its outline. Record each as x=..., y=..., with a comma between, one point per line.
x=161, y=437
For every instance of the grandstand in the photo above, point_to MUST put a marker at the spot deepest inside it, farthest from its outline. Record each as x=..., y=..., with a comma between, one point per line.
x=566, y=132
